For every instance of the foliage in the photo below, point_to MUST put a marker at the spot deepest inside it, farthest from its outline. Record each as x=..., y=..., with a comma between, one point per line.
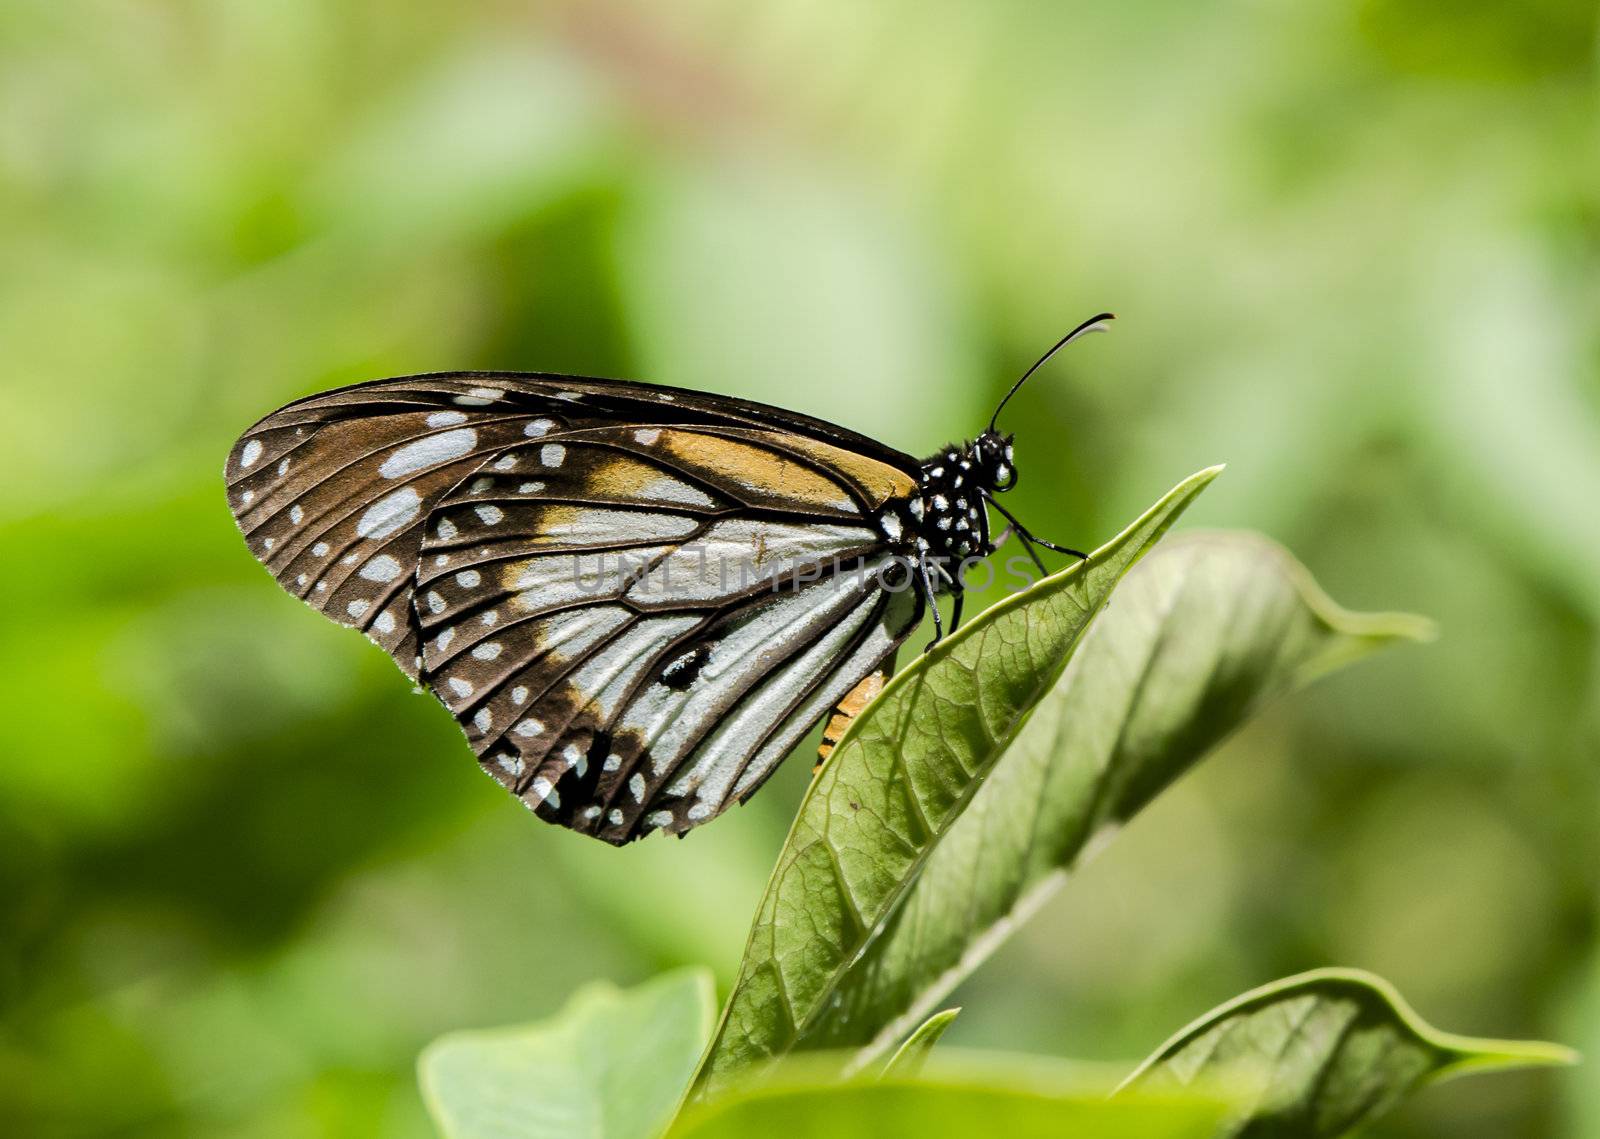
x=910, y=1057
x=611, y=1065
x=245, y=875
x=896, y=1109
x=1324, y=1052
x=898, y=782
x=1098, y=716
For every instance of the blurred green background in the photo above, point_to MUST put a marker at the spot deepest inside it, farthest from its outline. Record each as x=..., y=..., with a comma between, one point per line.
x=245, y=874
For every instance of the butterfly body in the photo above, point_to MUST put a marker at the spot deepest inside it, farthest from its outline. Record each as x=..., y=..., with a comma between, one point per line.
x=954, y=485
x=635, y=600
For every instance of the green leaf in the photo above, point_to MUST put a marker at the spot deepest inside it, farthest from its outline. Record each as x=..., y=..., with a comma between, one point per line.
x=1197, y=637
x=612, y=1064
x=893, y=789
x=1325, y=1051
x=899, y=1109
x=1201, y=633
x=913, y=1054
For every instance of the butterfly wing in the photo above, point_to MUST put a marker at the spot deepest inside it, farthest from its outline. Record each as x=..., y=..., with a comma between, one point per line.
x=635, y=600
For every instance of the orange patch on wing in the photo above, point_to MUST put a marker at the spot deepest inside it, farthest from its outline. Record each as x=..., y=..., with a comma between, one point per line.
x=879, y=481
x=845, y=711
x=758, y=475
x=625, y=479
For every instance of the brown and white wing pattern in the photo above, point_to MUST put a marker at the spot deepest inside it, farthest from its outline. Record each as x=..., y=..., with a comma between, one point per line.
x=636, y=606
x=331, y=492
x=635, y=624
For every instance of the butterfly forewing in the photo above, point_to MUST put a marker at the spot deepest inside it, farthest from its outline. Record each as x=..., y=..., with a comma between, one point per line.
x=331, y=492
x=636, y=601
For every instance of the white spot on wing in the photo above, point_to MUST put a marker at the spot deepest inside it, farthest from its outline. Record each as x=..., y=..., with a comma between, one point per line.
x=543, y=792
x=668, y=489
x=469, y=579
x=483, y=720
x=460, y=687
x=480, y=397
x=487, y=650
x=429, y=451
x=390, y=514
x=528, y=728
x=490, y=515
x=358, y=607
x=381, y=568
x=538, y=427
x=552, y=454
x=647, y=435
x=446, y=418
x=384, y=623
x=251, y=452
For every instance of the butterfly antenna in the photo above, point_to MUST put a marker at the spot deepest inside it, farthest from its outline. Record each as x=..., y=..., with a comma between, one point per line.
x=1093, y=324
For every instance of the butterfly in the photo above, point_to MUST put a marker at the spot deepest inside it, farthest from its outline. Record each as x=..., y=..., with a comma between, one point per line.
x=636, y=600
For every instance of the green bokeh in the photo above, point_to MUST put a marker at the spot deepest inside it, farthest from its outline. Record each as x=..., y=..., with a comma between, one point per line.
x=245, y=874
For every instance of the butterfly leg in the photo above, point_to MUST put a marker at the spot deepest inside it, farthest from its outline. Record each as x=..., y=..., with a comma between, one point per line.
x=1079, y=554
x=1030, y=540
x=955, y=609
x=932, y=599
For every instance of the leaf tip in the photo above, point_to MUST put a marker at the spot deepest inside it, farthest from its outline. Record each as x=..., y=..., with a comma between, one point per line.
x=1473, y=1055
x=1414, y=627
x=1205, y=476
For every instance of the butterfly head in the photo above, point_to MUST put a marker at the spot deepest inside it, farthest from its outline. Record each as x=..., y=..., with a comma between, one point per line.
x=992, y=465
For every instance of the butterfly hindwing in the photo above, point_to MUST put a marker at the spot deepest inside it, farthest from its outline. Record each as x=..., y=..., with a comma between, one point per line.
x=638, y=587
x=636, y=601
